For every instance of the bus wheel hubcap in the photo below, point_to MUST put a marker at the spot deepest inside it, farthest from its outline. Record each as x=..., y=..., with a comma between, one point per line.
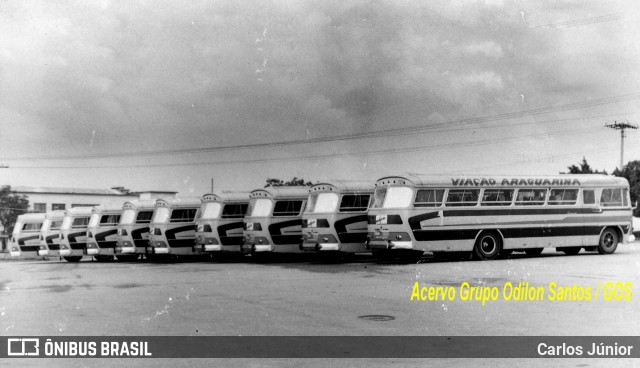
x=488, y=245
x=608, y=241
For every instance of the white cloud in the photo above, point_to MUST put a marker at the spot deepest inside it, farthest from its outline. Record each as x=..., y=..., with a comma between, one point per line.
x=489, y=49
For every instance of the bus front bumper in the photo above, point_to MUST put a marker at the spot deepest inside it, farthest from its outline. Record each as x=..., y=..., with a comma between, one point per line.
x=319, y=247
x=125, y=250
x=380, y=244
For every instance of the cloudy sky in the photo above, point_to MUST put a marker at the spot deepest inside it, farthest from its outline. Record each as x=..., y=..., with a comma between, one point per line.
x=170, y=94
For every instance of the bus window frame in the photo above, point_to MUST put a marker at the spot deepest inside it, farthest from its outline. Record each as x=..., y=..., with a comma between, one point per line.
x=534, y=202
x=510, y=202
x=430, y=204
x=448, y=203
x=562, y=201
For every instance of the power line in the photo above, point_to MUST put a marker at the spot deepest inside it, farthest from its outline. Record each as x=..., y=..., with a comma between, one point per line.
x=583, y=21
x=355, y=154
x=378, y=133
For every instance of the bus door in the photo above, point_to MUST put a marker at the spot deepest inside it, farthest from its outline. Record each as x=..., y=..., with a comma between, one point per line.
x=591, y=215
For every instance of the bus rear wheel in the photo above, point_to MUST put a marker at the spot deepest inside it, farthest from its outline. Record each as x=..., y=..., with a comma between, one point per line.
x=72, y=258
x=488, y=246
x=608, y=241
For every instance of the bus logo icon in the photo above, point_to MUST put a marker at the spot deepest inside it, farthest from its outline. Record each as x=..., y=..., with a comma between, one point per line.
x=23, y=347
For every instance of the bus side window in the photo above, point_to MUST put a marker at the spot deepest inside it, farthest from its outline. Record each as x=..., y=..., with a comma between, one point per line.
x=528, y=197
x=287, y=208
x=354, y=203
x=462, y=197
x=497, y=197
x=589, y=196
x=563, y=196
x=429, y=198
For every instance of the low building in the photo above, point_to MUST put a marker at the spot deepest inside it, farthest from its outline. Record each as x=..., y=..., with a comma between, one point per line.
x=43, y=199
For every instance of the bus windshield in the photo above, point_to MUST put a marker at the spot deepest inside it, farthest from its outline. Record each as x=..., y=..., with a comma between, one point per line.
x=326, y=202
x=262, y=207
x=128, y=216
x=93, y=222
x=211, y=210
x=160, y=215
x=398, y=197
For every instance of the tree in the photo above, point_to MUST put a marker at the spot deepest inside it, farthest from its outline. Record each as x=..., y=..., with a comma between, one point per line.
x=272, y=182
x=631, y=172
x=583, y=169
x=11, y=206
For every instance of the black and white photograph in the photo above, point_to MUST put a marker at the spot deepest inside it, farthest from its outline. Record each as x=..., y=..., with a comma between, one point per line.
x=355, y=183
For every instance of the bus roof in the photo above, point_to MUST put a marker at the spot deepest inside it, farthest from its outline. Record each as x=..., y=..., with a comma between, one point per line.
x=297, y=192
x=55, y=214
x=78, y=211
x=342, y=186
x=178, y=202
x=467, y=181
x=226, y=196
x=106, y=209
x=139, y=204
x=31, y=217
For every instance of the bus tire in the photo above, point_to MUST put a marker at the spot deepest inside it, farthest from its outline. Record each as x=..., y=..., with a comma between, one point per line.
x=608, y=241
x=570, y=251
x=533, y=251
x=127, y=257
x=488, y=246
x=72, y=258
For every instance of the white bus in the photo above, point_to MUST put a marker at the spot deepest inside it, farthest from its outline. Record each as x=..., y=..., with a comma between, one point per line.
x=50, y=234
x=335, y=220
x=25, y=239
x=220, y=222
x=102, y=232
x=133, y=229
x=172, y=230
x=495, y=215
x=73, y=233
x=274, y=220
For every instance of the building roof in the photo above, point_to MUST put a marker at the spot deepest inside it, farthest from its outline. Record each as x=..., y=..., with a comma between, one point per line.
x=115, y=191
x=54, y=190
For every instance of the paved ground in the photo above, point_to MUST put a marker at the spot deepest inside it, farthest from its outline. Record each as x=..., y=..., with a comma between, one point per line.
x=311, y=298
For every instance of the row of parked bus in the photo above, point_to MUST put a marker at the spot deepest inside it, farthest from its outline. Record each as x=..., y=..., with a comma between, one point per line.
x=398, y=216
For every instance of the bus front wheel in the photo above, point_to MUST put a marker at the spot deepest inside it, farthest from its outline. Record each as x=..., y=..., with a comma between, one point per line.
x=608, y=241
x=488, y=246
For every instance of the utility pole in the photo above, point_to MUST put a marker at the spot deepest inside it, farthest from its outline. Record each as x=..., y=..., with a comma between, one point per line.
x=211, y=185
x=621, y=127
